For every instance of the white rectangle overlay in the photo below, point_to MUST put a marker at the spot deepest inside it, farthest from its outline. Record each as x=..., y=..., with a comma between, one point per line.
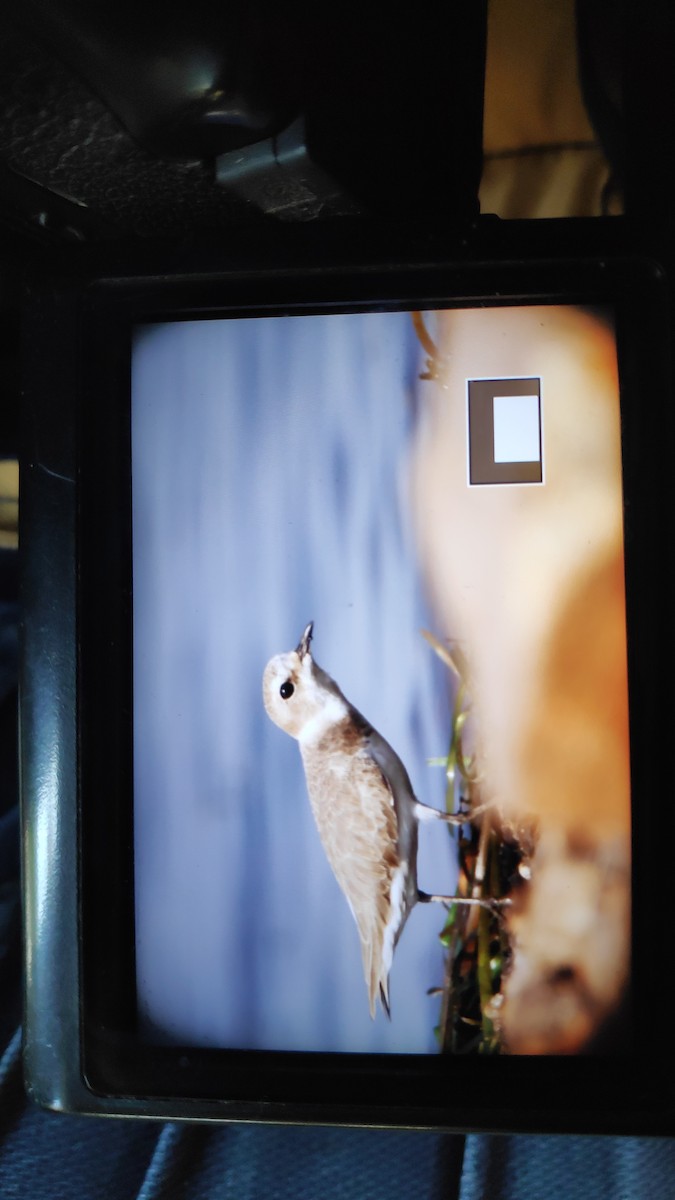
x=517, y=431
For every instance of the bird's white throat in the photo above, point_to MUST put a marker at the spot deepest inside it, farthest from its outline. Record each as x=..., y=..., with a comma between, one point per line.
x=332, y=710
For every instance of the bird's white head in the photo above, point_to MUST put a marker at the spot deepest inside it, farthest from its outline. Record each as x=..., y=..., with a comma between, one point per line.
x=298, y=696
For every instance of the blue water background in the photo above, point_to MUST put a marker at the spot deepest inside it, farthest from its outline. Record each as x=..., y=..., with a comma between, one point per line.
x=269, y=489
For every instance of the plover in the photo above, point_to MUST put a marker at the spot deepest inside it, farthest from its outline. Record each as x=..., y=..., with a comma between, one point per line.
x=363, y=803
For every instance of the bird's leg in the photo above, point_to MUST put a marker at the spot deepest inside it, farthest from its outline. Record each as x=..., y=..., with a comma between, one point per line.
x=492, y=905
x=424, y=812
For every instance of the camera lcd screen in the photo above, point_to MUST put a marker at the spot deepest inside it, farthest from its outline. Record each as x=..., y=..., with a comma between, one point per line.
x=425, y=509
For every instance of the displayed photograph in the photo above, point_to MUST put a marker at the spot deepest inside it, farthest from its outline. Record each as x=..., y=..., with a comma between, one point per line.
x=381, y=767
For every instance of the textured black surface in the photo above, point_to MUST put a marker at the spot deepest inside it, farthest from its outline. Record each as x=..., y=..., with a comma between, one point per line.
x=56, y=133
x=392, y=112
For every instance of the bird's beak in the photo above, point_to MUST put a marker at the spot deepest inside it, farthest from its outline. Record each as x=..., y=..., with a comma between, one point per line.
x=303, y=644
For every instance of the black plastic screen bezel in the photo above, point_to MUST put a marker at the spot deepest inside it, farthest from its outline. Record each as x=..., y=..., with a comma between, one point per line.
x=628, y=1092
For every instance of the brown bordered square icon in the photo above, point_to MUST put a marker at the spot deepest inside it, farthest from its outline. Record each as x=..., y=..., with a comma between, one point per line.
x=504, y=431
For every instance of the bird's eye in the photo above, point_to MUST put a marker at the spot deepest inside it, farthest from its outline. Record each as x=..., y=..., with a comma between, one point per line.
x=286, y=690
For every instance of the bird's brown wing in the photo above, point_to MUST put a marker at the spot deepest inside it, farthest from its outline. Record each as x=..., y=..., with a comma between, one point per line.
x=354, y=809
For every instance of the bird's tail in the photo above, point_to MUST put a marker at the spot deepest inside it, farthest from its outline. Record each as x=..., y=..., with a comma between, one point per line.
x=377, y=979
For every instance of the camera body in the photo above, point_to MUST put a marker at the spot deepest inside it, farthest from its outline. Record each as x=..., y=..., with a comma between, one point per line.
x=366, y=432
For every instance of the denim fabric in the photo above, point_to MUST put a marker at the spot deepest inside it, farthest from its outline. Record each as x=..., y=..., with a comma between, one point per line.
x=567, y=1168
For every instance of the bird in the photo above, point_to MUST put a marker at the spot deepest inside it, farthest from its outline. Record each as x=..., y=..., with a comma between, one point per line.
x=363, y=803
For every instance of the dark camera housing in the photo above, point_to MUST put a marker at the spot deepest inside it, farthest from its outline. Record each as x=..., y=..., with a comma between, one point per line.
x=83, y=1052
